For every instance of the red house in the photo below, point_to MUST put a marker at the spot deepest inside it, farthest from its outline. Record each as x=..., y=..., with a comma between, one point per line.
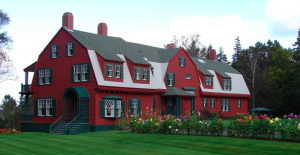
x=83, y=81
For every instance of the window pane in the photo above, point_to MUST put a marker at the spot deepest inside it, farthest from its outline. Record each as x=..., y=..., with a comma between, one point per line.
x=109, y=108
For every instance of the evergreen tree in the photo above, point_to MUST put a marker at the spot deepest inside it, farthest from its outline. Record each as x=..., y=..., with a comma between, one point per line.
x=237, y=49
x=207, y=51
x=222, y=56
x=296, y=49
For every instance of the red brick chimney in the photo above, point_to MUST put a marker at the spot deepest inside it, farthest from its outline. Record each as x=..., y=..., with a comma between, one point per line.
x=67, y=20
x=170, y=46
x=102, y=29
x=212, y=54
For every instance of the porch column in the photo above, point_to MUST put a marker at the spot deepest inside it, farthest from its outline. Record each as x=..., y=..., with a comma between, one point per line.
x=26, y=78
x=178, y=106
x=193, y=106
x=161, y=105
x=26, y=103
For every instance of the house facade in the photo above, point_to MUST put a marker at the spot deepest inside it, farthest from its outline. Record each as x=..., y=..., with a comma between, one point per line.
x=83, y=81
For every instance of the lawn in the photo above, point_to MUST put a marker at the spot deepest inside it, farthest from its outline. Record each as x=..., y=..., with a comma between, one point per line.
x=132, y=143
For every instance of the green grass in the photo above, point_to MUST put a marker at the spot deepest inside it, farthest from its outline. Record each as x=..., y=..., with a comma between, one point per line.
x=132, y=143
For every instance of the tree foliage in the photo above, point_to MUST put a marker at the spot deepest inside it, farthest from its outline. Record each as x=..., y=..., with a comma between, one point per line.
x=221, y=56
x=11, y=112
x=192, y=45
x=6, y=64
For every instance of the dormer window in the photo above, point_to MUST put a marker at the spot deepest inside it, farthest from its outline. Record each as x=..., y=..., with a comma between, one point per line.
x=54, y=51
x=109, y=70
x=226, y=84
x=182, y=61
x=70, y=49
x=208, y=81
x=137, y=73
x=145, y=74
x=118, y=71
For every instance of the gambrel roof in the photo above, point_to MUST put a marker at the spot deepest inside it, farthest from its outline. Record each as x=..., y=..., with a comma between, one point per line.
x=108, y=47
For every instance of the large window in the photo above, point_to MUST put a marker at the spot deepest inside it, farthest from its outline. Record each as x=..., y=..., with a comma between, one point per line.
x=137, y=73
x=226, y=84
x=80, y=73
x=44, y=76
x=111, y=107
x=45, y=107
x=239, y=103
x=54, y=51
x=135, y=106
x=212, y=102
x=70, y=49
x=170, y=79
x=225, y=105
x=182, y=61
x=204, y=102
x=208, y=81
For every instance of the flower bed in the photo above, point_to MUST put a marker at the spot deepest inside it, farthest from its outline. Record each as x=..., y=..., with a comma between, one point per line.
x=9, y=131
x=243, y=125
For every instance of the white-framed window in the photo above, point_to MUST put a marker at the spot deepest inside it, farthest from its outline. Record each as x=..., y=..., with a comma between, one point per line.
x=239, y=103
x=109, y=108
x=41, y=107
x=169, y=102
x=118, y=71
x=54, y=51
x=145, y=75
x=212, y=102
x=208, y=81
x=41, y=77
x=226, y=84
x=49, y=107
x=119, y=108
x=44, y=76
x=170, y=80
x=137, y=73
x=188, y=76
x=84, y=72
x=204, y=102
x=76, y=73
x=80, y=73
x=135, y=107
x=225, y=105
x=70, y=48
x=181, y=61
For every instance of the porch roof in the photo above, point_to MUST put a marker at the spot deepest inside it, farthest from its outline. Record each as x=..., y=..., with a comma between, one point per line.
x=177, y=92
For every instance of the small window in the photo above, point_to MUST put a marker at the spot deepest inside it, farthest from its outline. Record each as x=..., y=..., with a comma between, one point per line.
x=118, y=71
x=239, y=103
x=145, y=75
x=41, y=107
x=70, y=49
x=225, y=105
x=49, y=107
x=182, y=61
x=170, y=79
x=54, y=51
x=44, y=76
x=109, y=70
x=190, y=91
x=188, y=76
x=208, y=81
x=204, y=102
x=135, y=107
x=226, y=84
x=212, y=102
x=119, y=108
x=80, y=73
x=109, y=108
x=137, y=74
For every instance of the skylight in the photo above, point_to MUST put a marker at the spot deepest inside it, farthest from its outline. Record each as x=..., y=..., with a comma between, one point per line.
x=201, y=61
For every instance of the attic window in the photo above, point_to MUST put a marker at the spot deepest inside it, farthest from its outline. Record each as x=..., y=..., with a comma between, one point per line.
x=201, y=61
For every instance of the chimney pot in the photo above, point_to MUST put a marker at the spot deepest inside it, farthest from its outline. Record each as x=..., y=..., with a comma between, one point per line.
x=67, y=20
x=212, y=54
x=170, y=46
x=102, y=29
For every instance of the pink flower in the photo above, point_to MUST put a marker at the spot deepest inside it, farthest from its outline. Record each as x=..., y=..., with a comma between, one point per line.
x=265, y=116
x=291, y=115
x=256, y=117
x=189, y=117
x=182, y=116
x=296, y=116
x=289, y=118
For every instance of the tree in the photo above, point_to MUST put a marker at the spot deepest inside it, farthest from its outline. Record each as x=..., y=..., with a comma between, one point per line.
x=296, y=50
x=9, y=105
x=222, y=56
x=208, y=51
x=192, y=45
x=6, y=64
x=11, y=112
x=237, y=49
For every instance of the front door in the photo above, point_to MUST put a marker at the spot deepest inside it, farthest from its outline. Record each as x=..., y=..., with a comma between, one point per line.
x=170, y=106
x=70, y=106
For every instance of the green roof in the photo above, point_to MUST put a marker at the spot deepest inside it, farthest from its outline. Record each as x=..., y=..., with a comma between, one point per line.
x=189, y=88
x=108, y=47
x=177, y=92
x=217, y=66
x=260, y=109
x=112, y=97
x=80, y=92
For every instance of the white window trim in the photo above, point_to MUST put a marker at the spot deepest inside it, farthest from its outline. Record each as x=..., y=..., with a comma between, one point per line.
x=49, y=106
x=145, y=74
x=134, y=107
x=181, y=61
x=118, y=71
x=84, y=72
x=41, y=77
x=110, y=106
x=188, y=76
x=77, y=70
x=205, y=102
x=170, y=79
x=41, y=107
x=54, y=51
x=225, y=105
x=212, y=102
x=70, y=48
x=138, y=74
x=110, y=70
x=227, y=84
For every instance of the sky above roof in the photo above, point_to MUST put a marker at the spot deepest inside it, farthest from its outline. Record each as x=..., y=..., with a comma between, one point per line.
x=149, y=22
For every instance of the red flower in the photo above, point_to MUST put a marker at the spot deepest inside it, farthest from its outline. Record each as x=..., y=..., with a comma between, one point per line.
x=261, y=118
x=240, y=120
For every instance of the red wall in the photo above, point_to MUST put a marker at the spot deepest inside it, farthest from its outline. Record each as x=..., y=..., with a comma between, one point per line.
x=61, y=75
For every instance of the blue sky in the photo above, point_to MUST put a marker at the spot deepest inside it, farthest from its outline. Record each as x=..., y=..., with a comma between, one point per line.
x=149, y=22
